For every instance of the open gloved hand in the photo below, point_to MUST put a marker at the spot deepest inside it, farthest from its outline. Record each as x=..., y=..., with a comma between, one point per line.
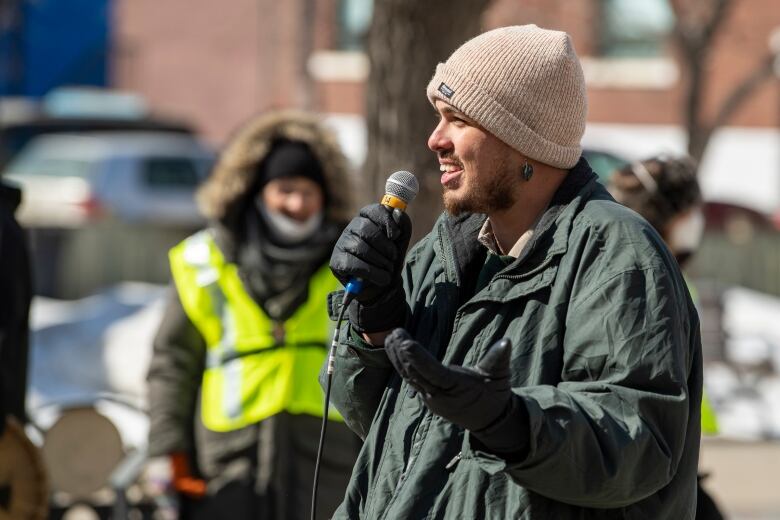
x=372, y=247
x=478, y=398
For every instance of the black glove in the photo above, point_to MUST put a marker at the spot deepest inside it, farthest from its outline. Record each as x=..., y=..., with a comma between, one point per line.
x=372, y=247
x=479, y=399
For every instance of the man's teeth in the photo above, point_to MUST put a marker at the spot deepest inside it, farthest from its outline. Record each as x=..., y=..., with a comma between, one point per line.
x=448, y=168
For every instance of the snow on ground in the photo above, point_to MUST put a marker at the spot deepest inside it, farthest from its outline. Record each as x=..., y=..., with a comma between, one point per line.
x=745, y=388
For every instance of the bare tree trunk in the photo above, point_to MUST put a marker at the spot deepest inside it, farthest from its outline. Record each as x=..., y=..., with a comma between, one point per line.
x=696, y=25
x=406, y=41
x=306, y=87
x=697, y=131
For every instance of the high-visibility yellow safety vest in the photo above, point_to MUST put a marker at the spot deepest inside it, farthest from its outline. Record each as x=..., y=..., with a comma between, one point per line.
x=709, y=420
x=255, y=367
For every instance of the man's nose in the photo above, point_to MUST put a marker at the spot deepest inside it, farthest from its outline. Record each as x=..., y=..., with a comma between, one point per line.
x=438, y=140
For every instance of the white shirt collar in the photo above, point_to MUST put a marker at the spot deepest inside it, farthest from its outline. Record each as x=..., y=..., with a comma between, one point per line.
x=488, y=239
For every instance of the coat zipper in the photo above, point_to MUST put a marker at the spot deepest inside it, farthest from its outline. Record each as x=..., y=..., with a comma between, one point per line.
x=454, y=462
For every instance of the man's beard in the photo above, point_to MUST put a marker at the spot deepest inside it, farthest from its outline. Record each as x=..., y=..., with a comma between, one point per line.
x=485, y=197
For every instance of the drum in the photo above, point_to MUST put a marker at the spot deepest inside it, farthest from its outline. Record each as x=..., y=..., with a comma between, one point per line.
x=80, y=451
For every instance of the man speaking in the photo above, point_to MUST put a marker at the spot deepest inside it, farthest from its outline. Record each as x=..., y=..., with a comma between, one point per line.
x=536, y=355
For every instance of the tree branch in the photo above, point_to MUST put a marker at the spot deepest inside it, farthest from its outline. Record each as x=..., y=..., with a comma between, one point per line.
x=693, y=35
x=740, y=93
x=711, y=26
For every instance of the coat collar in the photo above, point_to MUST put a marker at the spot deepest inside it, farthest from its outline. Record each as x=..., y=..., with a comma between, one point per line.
x=459, y=234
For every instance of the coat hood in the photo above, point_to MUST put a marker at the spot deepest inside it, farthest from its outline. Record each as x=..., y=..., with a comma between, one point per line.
x=223, y=196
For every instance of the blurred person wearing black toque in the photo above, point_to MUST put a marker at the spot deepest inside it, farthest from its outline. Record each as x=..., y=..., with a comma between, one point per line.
x=234, y=398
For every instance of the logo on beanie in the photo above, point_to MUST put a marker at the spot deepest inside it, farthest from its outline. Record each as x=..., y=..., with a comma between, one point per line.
x=447, y=91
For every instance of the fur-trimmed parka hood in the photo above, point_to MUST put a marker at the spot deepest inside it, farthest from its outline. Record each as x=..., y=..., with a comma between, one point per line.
x=224, y=195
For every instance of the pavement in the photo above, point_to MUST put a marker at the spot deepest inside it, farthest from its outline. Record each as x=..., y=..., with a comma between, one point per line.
x=744, y=477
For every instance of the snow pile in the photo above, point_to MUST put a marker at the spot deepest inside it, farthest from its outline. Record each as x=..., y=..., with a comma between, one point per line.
x=745, y=388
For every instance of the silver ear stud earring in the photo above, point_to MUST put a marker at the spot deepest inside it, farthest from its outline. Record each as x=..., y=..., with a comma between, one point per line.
x=528, y=171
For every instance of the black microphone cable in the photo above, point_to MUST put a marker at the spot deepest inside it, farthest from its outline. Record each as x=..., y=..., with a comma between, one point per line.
x=348, y=296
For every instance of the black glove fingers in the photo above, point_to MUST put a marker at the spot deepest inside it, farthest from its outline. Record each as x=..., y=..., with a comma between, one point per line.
x=374, y=233
x=396, y=337
x=402, y=231
x=392, y=354
x=418, y=381
x=367, y=251
x=347, y=266
x=397, y=345
x=399, y=231
x=426, y=365
x=376, y=238
x=382, y=217
x=495, y=364
x=416, y=365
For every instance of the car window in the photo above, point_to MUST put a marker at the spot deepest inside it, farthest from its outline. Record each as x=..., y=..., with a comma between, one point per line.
x=36, y=164
x=170, y=172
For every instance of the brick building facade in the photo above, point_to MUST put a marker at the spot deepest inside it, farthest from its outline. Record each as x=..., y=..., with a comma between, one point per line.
x=218, y=62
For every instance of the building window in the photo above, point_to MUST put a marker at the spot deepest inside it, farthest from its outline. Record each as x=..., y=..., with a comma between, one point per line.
x=354, y=19
x=632, y=29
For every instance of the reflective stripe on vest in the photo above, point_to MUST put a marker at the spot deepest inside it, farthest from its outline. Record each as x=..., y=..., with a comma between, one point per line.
x=255, y=367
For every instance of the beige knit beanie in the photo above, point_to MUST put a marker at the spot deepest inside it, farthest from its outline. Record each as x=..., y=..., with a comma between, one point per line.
x=524, y=85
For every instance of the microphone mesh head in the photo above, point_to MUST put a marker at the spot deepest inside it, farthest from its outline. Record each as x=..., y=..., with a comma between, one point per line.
x=402, y=184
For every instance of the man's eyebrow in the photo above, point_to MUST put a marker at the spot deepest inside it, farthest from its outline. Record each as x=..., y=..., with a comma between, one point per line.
x=457, y=113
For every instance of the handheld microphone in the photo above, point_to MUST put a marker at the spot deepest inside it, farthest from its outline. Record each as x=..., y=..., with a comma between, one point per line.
x=400, y=189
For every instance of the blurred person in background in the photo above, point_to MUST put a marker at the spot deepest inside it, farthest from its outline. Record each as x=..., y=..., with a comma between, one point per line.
x=15, y=298
x=234, y=398
x=666, y=192
x=18, y=487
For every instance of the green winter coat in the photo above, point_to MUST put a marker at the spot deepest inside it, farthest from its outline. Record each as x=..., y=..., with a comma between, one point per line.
x=606, y=358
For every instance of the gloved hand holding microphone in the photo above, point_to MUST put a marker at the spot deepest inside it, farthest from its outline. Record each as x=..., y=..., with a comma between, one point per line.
x=371, y=252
